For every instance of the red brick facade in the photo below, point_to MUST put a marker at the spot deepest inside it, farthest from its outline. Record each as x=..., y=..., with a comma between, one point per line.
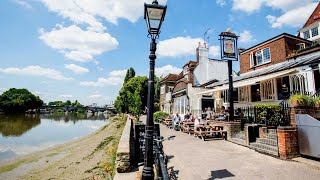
x=280, y=49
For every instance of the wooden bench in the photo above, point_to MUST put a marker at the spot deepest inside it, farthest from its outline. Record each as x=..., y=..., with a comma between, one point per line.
x=168, y=123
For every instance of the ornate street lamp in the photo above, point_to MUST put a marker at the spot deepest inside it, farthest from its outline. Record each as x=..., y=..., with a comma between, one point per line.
x=154, y=15
x=229, y=52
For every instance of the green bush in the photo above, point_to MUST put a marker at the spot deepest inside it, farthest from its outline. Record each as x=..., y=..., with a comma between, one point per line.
x=269, y=114
x=157, y=116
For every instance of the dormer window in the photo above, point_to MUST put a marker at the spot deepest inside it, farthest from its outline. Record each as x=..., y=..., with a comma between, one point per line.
x=306, y=34
x=314, y=32
x=260, y=57
x=301, y=46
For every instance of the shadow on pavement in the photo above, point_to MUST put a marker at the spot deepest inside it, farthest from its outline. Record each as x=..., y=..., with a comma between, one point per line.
x=173, y=174
x=219, y=174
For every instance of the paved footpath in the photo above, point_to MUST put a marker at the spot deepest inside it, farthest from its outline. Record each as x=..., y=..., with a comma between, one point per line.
x=195, y=159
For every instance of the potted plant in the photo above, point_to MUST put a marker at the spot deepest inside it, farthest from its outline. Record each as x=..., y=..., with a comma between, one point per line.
x=316, y=101
x=299, y=100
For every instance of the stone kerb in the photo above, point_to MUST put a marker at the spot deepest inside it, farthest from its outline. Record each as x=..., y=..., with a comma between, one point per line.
x=288, y=142
x=123, y=152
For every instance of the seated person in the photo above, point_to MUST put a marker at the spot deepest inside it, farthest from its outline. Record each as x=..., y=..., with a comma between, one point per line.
x=176, y=120
x=239, y=112
x=222, y=115
x=196, y=122
x=187, y=116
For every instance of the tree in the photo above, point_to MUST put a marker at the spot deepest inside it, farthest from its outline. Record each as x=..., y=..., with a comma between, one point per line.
x=157, y=89
x=133, y=96
x=130, y=74
x=68, y=103
x=19, y=100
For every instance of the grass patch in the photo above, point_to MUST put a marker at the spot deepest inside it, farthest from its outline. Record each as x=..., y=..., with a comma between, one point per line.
x=52, y=154
x=100, y=146
x=12, y=166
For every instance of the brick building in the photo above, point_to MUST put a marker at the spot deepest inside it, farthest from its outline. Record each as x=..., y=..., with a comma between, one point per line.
x=271, y=70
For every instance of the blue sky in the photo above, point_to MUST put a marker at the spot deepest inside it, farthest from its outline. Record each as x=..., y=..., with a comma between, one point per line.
x=80, y=49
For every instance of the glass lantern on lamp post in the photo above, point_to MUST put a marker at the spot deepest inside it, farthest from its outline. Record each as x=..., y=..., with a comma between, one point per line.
x=154, y=15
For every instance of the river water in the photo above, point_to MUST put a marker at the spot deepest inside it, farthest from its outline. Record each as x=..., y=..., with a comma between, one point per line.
x=21, y=135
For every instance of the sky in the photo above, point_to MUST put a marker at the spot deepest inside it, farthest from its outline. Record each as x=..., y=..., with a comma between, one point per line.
x=81, y=49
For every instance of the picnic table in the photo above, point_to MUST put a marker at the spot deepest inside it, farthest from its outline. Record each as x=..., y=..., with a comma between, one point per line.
x=212, y=130
x=187, y=127
x=168, y=122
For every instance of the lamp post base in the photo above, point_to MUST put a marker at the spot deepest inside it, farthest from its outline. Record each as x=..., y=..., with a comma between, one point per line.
x=147, y=173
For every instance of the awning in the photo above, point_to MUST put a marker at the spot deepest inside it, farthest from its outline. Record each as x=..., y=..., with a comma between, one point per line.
x=248, y=82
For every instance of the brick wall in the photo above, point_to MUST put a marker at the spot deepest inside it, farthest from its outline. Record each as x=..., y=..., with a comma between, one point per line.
x=279, y=50
x=232, y=128
x=312, y=112
x=288, y=142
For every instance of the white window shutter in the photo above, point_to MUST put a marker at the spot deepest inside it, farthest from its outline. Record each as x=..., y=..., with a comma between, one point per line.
x=251, y=60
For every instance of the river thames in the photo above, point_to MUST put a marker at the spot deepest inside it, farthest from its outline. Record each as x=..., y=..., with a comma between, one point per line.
x=24, y=134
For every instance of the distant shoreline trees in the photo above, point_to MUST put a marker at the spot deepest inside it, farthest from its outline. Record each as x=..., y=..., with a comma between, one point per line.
x=68, y=103
x=19, y=101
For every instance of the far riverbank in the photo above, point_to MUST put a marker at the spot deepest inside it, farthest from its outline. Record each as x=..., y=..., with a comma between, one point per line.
x=88, y=157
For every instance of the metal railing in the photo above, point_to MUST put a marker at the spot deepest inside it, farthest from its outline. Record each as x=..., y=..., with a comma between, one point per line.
x=269, y=116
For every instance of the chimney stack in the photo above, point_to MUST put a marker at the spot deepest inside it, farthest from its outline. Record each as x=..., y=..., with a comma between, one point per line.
x=205, y=45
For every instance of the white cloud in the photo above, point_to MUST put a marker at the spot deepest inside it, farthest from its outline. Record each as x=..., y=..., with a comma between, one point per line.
x=77, y=44
x=23, y=4
x=179, y=46
x=36, y=71
x=98, y=99
x=287, y=4
x=118, y=73
x=96, y=96
x=221, y=2
x=293, y=18
x=88, y=12
x=63, y=96
x=76, y=69
x=248, y=6
x=294, y=12
x=165, y=70
x=102, y=82
x=246, y=37
x=214, y=51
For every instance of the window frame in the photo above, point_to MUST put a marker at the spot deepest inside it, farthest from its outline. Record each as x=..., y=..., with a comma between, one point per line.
x=304, y=34
x=315, y=29
x=243, y=94
x=267, y=90
x=254, y=57
x=163, y=89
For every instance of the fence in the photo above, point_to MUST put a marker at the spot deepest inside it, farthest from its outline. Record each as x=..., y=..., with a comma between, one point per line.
x=269, y=115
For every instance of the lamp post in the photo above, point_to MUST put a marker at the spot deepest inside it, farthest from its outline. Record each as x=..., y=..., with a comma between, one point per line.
x=154, y=15
x=229, y=52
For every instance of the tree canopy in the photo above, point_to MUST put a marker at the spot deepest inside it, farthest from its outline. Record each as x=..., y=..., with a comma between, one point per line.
x=19, y=100
x=133, y=96
x=130, y=74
